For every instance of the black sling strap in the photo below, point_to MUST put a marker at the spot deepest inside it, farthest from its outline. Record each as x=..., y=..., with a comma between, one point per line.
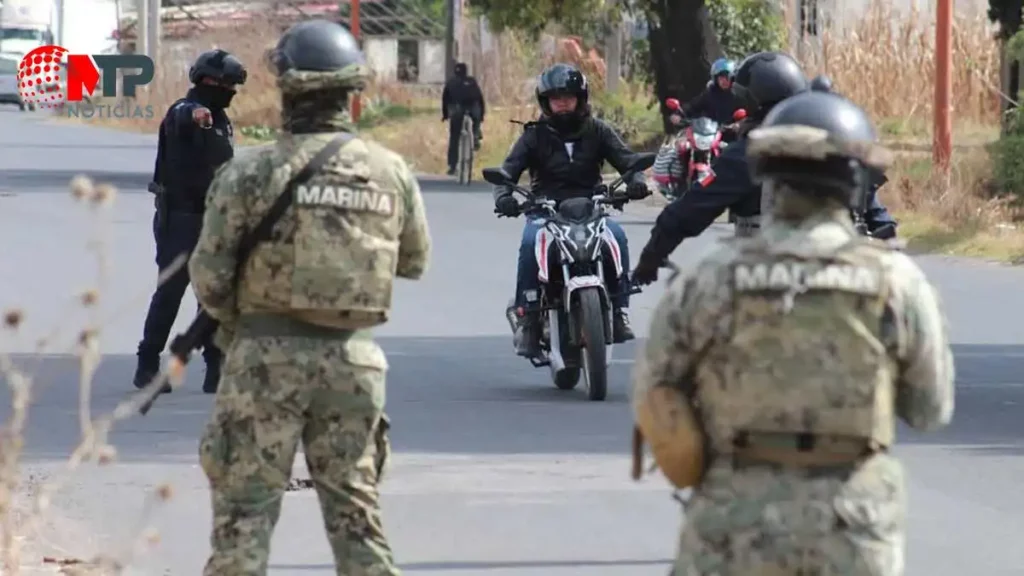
x=261, y=233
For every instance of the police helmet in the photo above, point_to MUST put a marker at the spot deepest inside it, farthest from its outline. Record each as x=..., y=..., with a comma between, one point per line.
x=318, y=55
x=217, y=65
x=562, y=79
x=722, y=66
x=765, y=79
x=816, y=140
x=821, y=83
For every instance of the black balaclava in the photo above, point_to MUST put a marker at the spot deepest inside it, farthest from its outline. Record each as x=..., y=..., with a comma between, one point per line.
x=212, y=95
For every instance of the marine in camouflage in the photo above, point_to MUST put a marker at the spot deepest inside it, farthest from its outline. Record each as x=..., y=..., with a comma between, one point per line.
x=301, y=364
x=807, y=329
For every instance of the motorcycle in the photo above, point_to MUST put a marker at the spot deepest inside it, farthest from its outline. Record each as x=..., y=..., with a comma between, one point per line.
x=576, y=254
x=695, y=149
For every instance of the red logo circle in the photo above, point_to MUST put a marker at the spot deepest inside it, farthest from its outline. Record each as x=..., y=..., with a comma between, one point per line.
x=42, y=77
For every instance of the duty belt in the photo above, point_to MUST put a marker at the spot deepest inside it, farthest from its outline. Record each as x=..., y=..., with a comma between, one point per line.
x=747, y=226
x=800, y=450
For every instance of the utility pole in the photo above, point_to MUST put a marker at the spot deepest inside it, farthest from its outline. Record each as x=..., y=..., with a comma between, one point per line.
x=449, y=39
x=154, y=29
x=942, y=138
x=357, y=103
x=613, y=51
x=141, y=26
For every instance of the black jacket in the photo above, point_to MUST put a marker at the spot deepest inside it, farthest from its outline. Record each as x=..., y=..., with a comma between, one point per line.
x=545, y=153
x=462, y=92
x=188, y=155
x=714, y=103
x=732, y=189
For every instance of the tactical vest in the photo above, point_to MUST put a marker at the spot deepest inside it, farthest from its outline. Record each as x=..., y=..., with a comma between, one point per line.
x=805, y=352
x=334, y=263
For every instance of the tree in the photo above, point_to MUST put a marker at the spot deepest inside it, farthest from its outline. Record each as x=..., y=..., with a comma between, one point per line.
x=683, y=45
x=681, y=38
x=1008, y=13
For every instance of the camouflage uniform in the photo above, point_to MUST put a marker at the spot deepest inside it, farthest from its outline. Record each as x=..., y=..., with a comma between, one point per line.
x=301, y=364
x=854, y=349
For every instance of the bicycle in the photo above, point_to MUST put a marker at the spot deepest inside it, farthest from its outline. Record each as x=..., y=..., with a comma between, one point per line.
x=467, y=145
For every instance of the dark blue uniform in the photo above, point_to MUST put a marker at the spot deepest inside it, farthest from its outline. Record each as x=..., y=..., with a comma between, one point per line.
x=187, y=157
x=732, y=189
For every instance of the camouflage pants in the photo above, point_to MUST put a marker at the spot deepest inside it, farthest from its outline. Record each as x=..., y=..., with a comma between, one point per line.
x=761, y=521
x=322, y=389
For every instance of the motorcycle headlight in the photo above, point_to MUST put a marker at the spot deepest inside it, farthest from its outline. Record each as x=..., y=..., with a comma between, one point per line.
x=703, y=141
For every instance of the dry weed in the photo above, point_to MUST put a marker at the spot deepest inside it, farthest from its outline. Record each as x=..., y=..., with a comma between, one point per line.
x=886, y=63
x=18, y=526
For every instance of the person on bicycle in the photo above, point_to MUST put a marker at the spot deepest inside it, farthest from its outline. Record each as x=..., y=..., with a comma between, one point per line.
x=461, y=96
x=564, y=151
x=717, y=100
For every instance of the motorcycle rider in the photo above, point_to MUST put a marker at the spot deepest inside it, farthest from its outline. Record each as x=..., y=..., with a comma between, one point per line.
x=760, y=82
x=564, y=151
x=717, y=101
x=461, y=95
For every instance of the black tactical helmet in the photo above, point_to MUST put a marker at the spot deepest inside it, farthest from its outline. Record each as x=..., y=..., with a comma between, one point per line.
x=821, y=83
x=318, y=54
x=218, y=65
x=765, y=79
x=562, y=79
x=461, y=69
x=817, y=139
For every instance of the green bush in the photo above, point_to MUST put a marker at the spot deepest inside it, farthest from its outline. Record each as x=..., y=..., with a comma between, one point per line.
x=747, y=26
x=1008, y=164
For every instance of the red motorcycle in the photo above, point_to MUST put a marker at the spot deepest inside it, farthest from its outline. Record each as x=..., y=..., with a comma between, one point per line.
x=687, y=157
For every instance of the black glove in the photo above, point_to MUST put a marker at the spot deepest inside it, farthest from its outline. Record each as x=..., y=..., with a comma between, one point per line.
x=506, y=206
x=886, y=231
x=637, y=191
x=646, y=270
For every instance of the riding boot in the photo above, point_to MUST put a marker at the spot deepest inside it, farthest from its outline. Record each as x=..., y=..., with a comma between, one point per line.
x=527, y=336
x=621, y=330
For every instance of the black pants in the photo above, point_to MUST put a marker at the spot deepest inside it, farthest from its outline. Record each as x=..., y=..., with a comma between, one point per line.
x=455, y=132
x=178, y=236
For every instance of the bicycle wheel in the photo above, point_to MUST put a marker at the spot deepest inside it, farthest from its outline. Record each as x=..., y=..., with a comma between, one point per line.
x=465, y=152
x=470, y=151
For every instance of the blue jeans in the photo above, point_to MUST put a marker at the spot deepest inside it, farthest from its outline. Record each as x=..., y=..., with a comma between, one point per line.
x=526, y=277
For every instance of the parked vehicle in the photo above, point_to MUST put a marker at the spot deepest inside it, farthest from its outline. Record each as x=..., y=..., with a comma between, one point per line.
x=9, y=82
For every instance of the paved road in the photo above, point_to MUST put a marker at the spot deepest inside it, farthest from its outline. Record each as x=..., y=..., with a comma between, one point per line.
x=496, y=473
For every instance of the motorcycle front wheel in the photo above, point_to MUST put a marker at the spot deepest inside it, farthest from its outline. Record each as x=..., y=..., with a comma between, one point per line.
x=591, y=322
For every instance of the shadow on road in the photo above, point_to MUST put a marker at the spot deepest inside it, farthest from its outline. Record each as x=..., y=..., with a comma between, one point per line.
x=524, y=564
x=28, y=180
x=472, y=396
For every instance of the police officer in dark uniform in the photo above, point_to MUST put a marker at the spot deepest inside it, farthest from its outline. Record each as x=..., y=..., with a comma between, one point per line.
x=462, y=95
x=761, y=81
x=876, y=218
x=196, y=137
x=564, y=152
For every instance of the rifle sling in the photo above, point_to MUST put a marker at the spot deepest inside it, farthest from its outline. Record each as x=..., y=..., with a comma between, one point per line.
x=261, y=233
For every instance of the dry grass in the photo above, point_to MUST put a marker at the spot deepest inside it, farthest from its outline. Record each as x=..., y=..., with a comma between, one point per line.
x=886, y=63
x=25, y=512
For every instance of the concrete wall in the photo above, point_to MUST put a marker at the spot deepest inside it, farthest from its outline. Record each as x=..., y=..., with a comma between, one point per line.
x=382, y=56
x=431, y=56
